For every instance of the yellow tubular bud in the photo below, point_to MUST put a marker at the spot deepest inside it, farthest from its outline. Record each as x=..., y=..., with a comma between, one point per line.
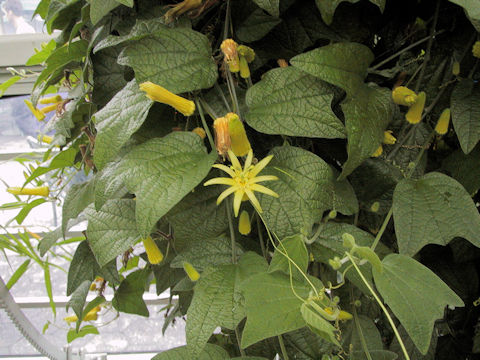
x=49, y=108
x=45, y=139
x=414, y=114
x=476, y=49
x=247, y=52
x=191, y=272
x=162, y=95
x=51, y=100
x=244, y=69
x=442, y=125
x=91, y=315
x=404, y=96
x=229, y=49
x=378, y=152
x=388, y=138
x=154, y=254
x=238, y=137
x=37, y=113
x=343, y=315
x=282, y=63
x=244, y=226
x=71, y=319
x=40, y=191
x=180, y=9
x=200, y=132
x=222, y=135
x=456, y=68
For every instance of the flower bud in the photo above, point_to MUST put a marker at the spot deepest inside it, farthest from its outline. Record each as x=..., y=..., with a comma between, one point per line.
x=332, y=214
x=200, y=132
x=348, y=240
x=180, y=9
x=244, y=226
x=335, y=263
x=414, y=114
x=37, y=113
x=162, y=95
x=404, y=96
x=154, y=254
x=388, y=138
x=191, y=272
x=375, y=207
x=238, y=137
x=45, y=139
x=222, y=135
x=40, y=191
x=229, y=49
x=378, y=152
x=476, y=49
x=442, y=125
x=51, y=100
x=247, y=55
x=456, y=68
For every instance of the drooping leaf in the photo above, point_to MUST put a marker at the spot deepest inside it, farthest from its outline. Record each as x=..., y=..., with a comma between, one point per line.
x=416, y=296
x=293, y=247
x=274, y=310
x=17, y=274
x=118, y=120
x=27, y=208
x=465, y=110
x=161, y=172
x=78, y=197
x=256, y=26
x=186, y=65
x=288, y=101
x=210, y=352
x=77, y=301
x=128, y=297
x=112, y=230
x=270, y=6
x=433, y=210
x=341, y=64
x=306, y=187
x=87, y=329
x=6, y=84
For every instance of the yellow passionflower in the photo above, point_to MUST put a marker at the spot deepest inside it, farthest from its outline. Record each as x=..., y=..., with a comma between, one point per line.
x=162, y=95
x=243, y=181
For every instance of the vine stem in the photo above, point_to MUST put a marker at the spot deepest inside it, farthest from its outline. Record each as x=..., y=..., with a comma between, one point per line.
x=260, y=237
x=282, y=347
x=382, y=228
x=232, y=231
x=359, y=329
x=204, y=123
x=384, y=309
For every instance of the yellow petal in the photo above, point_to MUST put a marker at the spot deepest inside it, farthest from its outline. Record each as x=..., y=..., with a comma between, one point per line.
x=225, y=168
x=378, y=152
x=234, y=160
x=414, y=114
x=263, y=178
x=162, y=95
x=388, y=138
x=224, y=194
x=442, y=125
x=253, y=199
x=38, y=114
x=40, y=191
x=191, y=272
x=261, y=164
x=49, y=108
x=220, y=181
x=249, y=159
x=237, y=200
x=404, y=96
x=51, y=100
x=264, y=190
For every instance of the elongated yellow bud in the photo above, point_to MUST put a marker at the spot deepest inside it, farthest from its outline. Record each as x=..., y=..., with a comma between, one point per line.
x=200, y=132
x=244, y=69
x=404, y=96
x=378, y=152
x=476, y=49
x=49, y=108
x=244, y=226
x=40, y=191
x=414, y=114
x=456, y=68
x=229, y=49
x=222, y=135
x=37, y=113
x=343, y=315
x=442, y=125
x=388, y=138
x=45, y=139
x=162, y=95
x=191, y=272
x=154, y=254
x=180, y=9
x=91, y=315
x=246, y=55
x=51, y=100
x=238, y=137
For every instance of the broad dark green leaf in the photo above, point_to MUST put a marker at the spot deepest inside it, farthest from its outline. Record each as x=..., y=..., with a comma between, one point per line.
x=108, y=185
x=412, y=350
x=78, y=197
x=210, y=352
x=275, y=309
x=112, y=230
x=256, y=26
x=472, y=8
x=77, y=301
x=288, y=101
x=305, y=344
x=100, y=8
x=128, y=297
x=416, y=296
x=433, y=210
x=465, y=109
x=161, y=172
x=293, y=247
x=307, y=186
x=464, y=168
x=186, y=61
x=341, y=64
x=270, y=6
x=118, y=120
x=328, y=7
x=367, y=115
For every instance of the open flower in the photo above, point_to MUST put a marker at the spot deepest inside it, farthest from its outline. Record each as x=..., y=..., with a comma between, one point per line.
x=243, y=181
x=229, y=49
x=162, y=95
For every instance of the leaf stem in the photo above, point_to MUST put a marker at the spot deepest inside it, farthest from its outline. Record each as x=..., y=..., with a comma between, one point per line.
x=260, y=237
x=232, y=230
x=282, y=347
x=237, y=335
x=382, y=228
x=204, y=123
x=359, y=329
x=380, y=303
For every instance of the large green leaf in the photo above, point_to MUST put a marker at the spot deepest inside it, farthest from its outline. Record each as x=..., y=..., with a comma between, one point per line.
x=306, y=344
x=327, y=7
x=128, y=297
x=293, y=247
x=465, y=113
x=161, y=172
x=307, y=186
x=108, y=185
x=472, y=8
x=341, y=64
x=100, y=8
x=178, y=59
x=367, y=114
x=272, y=307
x=288, y=101
x=118, y=120
x=256, y=25
x=416, y=296
x=464, y=168
x=112, y=230
x=217, y=300
x=210, y=352
x=270, y=6
x=78, y=197
x=412, y=350
x=433, y=210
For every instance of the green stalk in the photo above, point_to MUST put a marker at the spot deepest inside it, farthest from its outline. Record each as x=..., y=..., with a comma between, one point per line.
x=282, y=347
x=204, y=124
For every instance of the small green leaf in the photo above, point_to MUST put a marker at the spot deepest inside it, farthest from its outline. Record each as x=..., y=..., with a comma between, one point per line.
x=48, y=286
x=186, y=65
x=433, y=210
x=161, y=172
x=6, y=84
x=290, y=102
x=64, y=159
x=118, y=120
x=210, y=352
x=416, y=296
x=17, y=274
x=465, y=110
x=270, y=6
x=319, y=325
x=39, y=57
x=256, y=26
x=78, y=197
x=87, y=329
x=112, y=230
x=77, y=301
x=27, y=208
x=128, y=297
x=341, y=64
x=294, y=247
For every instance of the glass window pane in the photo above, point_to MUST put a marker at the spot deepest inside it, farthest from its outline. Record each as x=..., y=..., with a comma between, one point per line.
x=17, y=17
